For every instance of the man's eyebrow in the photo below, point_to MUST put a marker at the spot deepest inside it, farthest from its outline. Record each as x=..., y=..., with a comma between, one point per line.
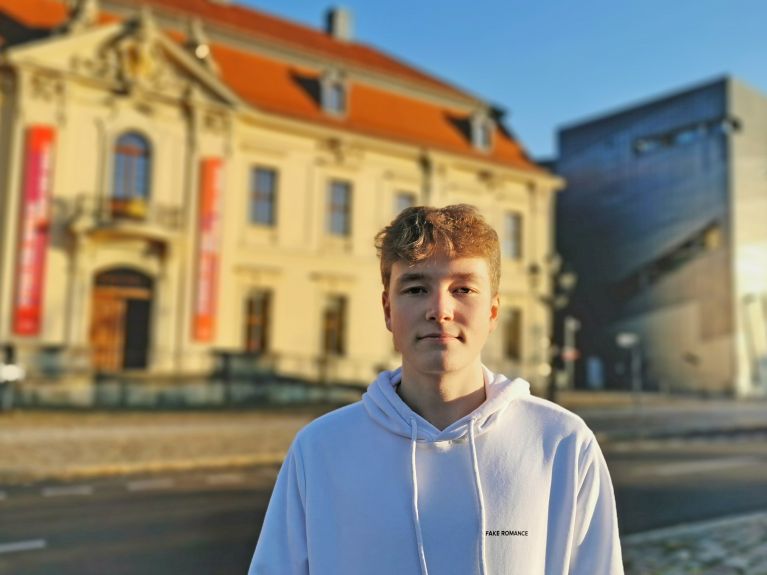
x=411, y=277
x=420, y=276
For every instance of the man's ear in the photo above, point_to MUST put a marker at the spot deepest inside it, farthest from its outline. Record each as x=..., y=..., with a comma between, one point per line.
x=495, y=310
x=386, y=309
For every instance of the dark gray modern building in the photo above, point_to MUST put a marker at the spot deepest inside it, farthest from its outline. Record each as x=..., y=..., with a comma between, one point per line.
x=664, y=219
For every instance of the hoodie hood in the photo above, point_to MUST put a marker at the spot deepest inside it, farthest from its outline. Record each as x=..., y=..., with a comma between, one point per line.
x=386, y=408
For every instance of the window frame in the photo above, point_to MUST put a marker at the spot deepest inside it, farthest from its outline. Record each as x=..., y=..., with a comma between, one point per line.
x=512, y=334
x=256, y=195
x=132, y=172
x=513, y=240
x=334, y=325
x=262, y=317
x=341, y=210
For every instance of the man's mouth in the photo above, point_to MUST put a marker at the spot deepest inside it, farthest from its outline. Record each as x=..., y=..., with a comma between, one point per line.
x=439, y=336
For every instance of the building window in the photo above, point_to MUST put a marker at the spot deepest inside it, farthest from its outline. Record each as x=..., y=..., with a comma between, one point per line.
x=482, y=131
x=512, y=335
x=403, y=200
x=257, y=319
x=132, y=171
x=685, y=135
x=334, y=326
x=339, y=208
x=334, y=94
x=706, y=239
x=512, y=236
x=263, y=196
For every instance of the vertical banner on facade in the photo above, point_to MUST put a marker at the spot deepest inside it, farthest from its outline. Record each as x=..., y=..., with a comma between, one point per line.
x=208, y=253
x=33, y=237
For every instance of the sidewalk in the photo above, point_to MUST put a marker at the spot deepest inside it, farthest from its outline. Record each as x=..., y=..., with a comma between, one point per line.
x=37, y=446
x=731, y=546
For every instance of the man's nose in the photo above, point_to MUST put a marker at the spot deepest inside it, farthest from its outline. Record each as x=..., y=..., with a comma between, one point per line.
x=440, y=307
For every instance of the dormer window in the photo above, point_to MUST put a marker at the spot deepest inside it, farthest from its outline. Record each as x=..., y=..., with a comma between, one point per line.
x=482, y=128
x=334, y=97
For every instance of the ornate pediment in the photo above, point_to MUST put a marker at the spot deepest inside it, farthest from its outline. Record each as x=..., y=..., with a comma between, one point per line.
x=133, y=57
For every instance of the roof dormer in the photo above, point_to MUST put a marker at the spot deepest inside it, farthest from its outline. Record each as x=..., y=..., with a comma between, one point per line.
x=482, y=131
x=334, y=96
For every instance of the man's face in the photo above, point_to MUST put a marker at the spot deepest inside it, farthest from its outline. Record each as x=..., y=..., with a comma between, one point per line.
x=440, y=311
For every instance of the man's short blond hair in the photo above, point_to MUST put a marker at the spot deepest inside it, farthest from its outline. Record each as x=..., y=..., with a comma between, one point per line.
x=421, y=232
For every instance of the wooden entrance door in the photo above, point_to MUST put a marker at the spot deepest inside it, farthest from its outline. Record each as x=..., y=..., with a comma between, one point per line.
x=107, y=330
x=120, y=320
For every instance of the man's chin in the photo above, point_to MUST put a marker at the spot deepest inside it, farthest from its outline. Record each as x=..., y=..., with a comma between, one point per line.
x=436, y=364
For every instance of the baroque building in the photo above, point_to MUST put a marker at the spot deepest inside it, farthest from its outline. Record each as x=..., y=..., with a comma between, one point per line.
x=185, y=181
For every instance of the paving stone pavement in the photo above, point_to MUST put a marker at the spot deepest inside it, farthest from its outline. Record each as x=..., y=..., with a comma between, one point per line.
x=730, y=546
x=37, y=446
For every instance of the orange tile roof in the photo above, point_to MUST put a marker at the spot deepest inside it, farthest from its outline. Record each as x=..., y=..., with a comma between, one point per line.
x=35, y=13
x=257, y=23
x=372, y=111
x=284, y=89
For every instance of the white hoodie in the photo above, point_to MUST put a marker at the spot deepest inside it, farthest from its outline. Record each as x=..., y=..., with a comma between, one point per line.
x=517, y=487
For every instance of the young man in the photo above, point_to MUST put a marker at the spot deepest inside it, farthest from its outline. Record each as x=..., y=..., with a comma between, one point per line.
x=444, y=467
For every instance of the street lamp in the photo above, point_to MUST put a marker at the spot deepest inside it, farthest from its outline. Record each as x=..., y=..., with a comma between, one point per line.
x=629, y=340
x=562, y=283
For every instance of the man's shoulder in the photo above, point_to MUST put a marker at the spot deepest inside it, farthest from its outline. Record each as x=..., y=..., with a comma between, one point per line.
x=341, y=421
x=553, y=418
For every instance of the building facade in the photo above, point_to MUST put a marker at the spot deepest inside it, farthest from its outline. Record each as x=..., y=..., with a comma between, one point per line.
x=663, y=220
x=183, y=181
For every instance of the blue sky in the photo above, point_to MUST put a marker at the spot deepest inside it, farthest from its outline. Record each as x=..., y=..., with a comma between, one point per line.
x=550, y=63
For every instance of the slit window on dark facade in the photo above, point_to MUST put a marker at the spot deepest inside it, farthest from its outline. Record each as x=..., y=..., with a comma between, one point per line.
x=257, y=319
x=334, y=326
x=704, y=240
x=339, y=208
x=685, y=135
x=263, y=196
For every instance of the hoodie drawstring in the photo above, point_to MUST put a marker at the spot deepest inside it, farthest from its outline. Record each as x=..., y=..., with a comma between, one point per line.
x=416, y=519
x=480, y=498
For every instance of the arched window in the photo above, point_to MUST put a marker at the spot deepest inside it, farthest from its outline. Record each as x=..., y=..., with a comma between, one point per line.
x=132, y=171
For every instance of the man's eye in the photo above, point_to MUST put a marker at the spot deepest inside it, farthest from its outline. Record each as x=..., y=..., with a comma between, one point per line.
x=464, y=290
x=413, y=290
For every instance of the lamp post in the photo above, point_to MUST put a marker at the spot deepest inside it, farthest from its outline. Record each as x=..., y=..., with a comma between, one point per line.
x=629, y=340
x=561, y=284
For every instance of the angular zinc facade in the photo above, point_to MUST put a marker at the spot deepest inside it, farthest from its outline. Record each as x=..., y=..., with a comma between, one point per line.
x=663, y=222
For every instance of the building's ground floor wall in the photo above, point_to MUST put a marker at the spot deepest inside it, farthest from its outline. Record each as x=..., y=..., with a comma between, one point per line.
x=117, y=304
x=674, y=358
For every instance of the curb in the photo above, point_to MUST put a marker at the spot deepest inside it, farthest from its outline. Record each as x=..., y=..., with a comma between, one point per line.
x=9, y=477
x=692, y=528
x=678, y=434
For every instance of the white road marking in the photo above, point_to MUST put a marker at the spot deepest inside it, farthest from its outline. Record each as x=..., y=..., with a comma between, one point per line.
x=224, y=479
x=150, y=484
x=67, y=490
x=685, y=467
x=30, y=545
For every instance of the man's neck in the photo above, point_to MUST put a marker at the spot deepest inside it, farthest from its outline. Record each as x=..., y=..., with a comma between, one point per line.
x=445, y=398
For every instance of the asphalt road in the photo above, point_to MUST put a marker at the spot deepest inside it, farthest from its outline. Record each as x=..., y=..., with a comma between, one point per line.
x=183, y=524
x=208, y=523
x=667, y=482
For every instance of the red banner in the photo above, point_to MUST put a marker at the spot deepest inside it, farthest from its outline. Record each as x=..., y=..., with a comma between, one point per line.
x=211, y=185
x=33, y=238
